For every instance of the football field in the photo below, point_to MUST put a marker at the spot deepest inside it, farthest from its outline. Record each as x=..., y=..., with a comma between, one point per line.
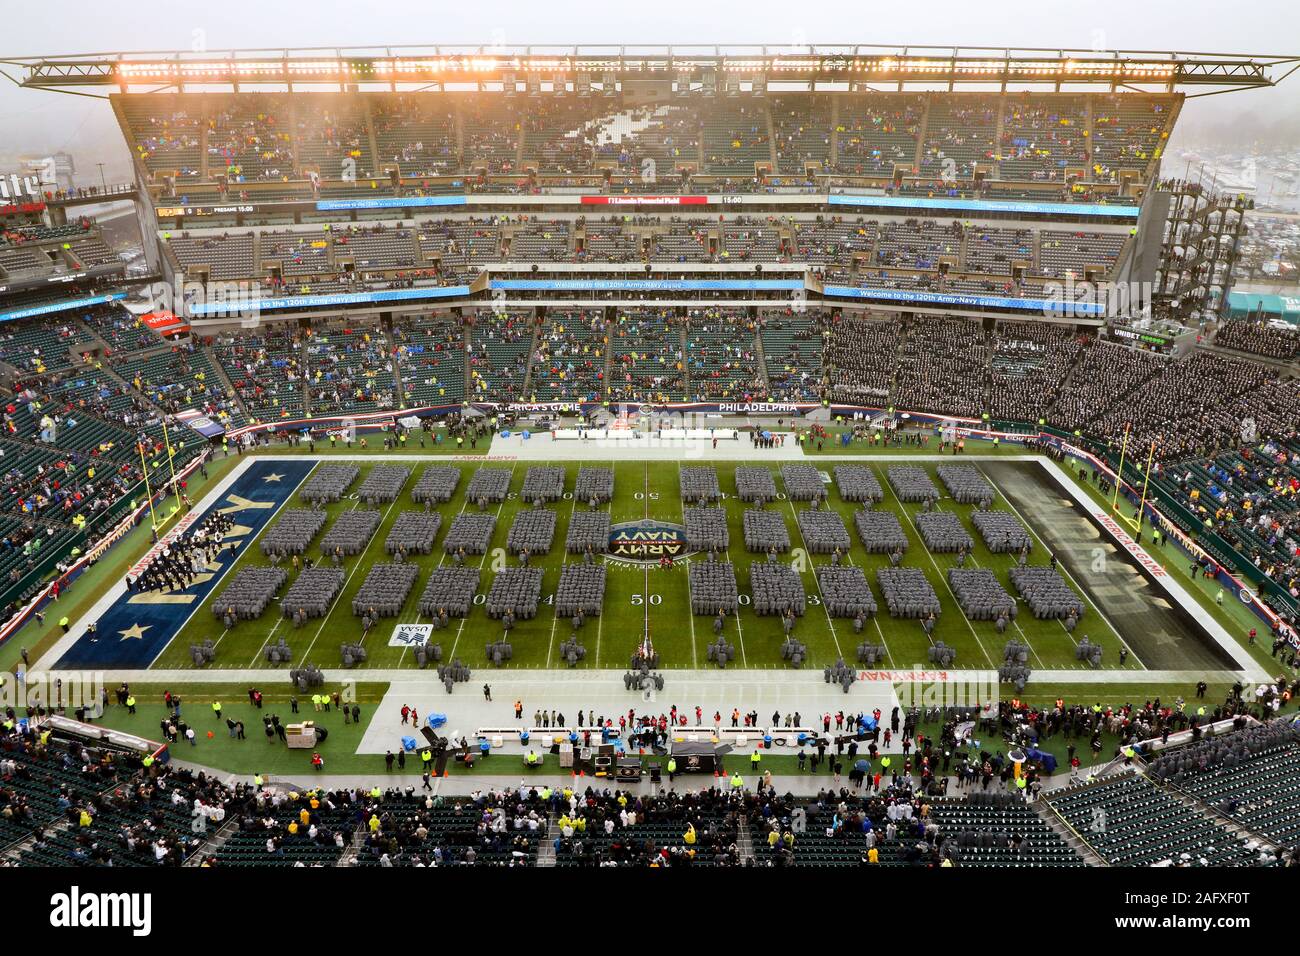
x=644, y=597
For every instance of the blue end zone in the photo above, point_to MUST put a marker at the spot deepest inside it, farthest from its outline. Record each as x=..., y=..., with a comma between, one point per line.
x=139, y=625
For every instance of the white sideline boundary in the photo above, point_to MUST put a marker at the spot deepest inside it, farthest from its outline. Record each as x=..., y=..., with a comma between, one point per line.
x=1152, y=569
x=1249, y=670
x=118, y=589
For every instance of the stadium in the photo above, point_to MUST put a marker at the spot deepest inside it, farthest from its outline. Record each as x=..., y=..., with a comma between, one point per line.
x=854, y=455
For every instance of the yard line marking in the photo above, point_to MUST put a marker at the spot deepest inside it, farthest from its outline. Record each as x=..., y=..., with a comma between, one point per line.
x=564, y=557
x=646, y=565
x=441, y=557
x=875, y=619
x=600, y=621
x=348, y=580
x=1061, y=567
x=213, y=507
x=1014, y=622
x=269, y=634
x=740, y=631
x=690, y=600
x=939, y=571
x=482, y=561
x=221, y=637
x=821, y=597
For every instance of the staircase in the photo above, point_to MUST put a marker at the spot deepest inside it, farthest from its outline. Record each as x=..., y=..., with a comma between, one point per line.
x=526, y=389
x=469, y=379
x=1067, y=833
x=834, y=158
x=215, y=843
x=546, y=850
x=760, y=357
x=228, y=386
x=686, y=364
x=303, y=339
x=611, y=322
x=352, y=850
x=921, y=131
x=997, y=135
x=745, y=842
x=771, y=140
x=898, y=355
x=14, y=853
x=100, y=342
x=1204, y=809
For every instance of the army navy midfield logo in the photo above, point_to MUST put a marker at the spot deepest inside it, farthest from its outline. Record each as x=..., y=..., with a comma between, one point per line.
x=647, y=540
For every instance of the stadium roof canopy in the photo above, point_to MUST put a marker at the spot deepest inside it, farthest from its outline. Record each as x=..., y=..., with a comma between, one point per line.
x=692, y=68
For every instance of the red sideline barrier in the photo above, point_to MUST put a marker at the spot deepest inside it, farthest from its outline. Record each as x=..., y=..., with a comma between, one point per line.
x=97, y=551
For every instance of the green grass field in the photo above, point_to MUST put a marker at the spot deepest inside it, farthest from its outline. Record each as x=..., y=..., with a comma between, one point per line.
x=645, y=596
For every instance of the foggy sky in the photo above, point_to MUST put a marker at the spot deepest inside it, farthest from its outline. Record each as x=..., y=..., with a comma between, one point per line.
x=33, y=120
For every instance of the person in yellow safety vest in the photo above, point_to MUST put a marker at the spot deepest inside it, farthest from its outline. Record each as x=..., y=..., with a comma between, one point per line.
x=672, y=767
x=736, y=782
x=1200, y=711
x=376, y=793
x=885, y=762
x=689, y=836
x=130, y=704
x=754, y=758
x=8, y=725
x=216, y=709
x=532, y=758
x=426, y=757
x=546, y=793
x=773, y=838
x=1021, y=781
x=257, y=779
